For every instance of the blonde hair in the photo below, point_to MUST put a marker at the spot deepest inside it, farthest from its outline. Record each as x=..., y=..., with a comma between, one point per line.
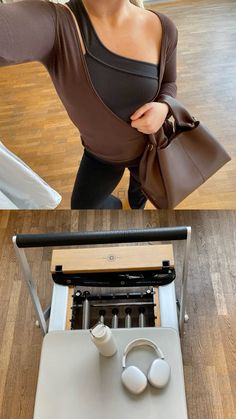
x=138, y=3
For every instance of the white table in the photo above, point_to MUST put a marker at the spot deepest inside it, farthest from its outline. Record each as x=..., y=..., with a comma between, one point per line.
x=75, y=382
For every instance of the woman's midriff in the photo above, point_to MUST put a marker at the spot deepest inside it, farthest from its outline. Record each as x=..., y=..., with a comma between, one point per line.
x=130, y=163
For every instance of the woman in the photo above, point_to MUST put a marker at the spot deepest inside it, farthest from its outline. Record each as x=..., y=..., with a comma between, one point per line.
x=110, y=63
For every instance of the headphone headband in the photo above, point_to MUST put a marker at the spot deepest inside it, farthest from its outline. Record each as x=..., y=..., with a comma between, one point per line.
x=140, y=342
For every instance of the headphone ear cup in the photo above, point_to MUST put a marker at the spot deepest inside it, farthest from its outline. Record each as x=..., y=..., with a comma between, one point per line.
x=134, y=380
x=159, y=373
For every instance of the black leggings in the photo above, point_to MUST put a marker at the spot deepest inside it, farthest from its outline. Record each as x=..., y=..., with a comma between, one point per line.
x=96, y=180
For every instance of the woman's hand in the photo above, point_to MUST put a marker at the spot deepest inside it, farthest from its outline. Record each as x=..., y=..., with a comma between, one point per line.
x=150, y=117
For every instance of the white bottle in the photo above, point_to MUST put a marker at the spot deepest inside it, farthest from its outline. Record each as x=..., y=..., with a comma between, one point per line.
x=102, y=337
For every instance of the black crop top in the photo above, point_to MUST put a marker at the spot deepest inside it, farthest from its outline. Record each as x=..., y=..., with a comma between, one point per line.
x=123, y=84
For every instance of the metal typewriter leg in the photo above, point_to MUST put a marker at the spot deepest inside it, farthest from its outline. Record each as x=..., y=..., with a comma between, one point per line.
x=128, y=320
x=46, y=314
x=102, y=315
x=183, y=316
x=115, y=318
x=32, y=289
x=141, y=317
x=186, y=317
x=86, y=311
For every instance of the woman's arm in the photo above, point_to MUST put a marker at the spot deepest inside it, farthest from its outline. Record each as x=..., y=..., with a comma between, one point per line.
x=151, y=116
x=168, y=84
x=27, y=31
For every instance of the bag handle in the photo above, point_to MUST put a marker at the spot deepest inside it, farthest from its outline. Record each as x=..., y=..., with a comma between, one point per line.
x=179, y=112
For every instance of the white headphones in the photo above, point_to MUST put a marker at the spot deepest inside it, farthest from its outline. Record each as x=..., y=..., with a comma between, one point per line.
x=134, y=379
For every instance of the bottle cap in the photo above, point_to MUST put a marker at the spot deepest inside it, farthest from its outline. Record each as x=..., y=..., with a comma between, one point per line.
x=98, y=331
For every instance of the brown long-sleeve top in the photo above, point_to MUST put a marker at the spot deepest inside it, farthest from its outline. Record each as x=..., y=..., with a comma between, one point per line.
x=46, y=32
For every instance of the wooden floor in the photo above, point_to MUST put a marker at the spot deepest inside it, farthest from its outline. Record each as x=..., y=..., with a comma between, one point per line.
x=34, y=124
x=210, y=339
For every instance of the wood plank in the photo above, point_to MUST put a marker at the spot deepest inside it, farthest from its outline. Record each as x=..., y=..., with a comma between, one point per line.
x=112, y=259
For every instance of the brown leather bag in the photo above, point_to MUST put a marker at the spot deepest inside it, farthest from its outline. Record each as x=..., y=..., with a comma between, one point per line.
x=179, y=158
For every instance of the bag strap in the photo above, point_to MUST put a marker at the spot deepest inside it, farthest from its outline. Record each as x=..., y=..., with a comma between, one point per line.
x=179, y=112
